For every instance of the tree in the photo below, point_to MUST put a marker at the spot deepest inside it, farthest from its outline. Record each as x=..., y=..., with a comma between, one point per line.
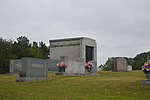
x=44, y=50
x=130, y=61
x=109, y=64
x=10, y=49
x=34, y=51
x=21, y=47
x=5, y=54
x=139, y=60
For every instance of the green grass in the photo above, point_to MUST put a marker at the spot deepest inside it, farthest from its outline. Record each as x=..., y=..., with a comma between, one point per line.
x=107, y=86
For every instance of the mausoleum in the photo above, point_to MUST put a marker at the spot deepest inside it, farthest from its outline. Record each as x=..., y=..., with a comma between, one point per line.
x=120, y=64
x=80, y=49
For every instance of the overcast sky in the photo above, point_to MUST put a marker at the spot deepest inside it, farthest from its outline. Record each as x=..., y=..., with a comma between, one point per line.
x=120, y=27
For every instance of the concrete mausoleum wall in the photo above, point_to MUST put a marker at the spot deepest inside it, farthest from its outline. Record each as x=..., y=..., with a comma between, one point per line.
x=120, y=64
x=74, y=48
x=65, y=47
x=52, y=65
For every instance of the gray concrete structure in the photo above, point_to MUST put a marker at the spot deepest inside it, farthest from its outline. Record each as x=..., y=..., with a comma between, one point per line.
x=75, y=66
x=29, y=69
x=81, y=48
x=15, y=66
x=120, y=64
x=52, y=65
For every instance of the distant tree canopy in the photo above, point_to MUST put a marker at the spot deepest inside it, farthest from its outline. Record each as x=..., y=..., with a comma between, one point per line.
x=108, y=65
x=10, y=49
x=136, y=62
x=139, y=60
x=5, y=54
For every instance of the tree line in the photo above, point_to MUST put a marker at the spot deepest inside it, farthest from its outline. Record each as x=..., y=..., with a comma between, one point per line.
x=136, y=62
x=10, y=49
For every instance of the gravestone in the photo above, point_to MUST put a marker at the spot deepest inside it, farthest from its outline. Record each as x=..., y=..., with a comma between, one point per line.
x=29, y=69
x=15, y=66
x=129, y=68
x=75, y=66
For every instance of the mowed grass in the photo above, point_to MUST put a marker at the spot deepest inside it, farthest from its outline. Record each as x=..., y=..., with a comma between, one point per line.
x=107, y=86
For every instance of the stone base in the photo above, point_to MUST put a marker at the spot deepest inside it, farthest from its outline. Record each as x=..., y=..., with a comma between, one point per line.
x=92, y=74
x=30, y=79
x=59, y=73
x=145, y=82
x=73, y=74
x=76, y=74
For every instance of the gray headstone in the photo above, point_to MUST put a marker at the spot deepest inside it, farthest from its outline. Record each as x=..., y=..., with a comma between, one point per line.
x=29, y=69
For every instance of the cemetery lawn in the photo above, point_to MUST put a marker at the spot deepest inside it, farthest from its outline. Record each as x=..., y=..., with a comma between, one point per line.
x=107, y=86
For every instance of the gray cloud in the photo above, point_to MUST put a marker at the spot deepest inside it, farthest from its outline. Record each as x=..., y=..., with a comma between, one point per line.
x=120, y=27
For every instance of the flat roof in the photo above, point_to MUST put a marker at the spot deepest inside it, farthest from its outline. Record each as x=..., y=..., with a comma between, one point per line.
x=70, y=39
